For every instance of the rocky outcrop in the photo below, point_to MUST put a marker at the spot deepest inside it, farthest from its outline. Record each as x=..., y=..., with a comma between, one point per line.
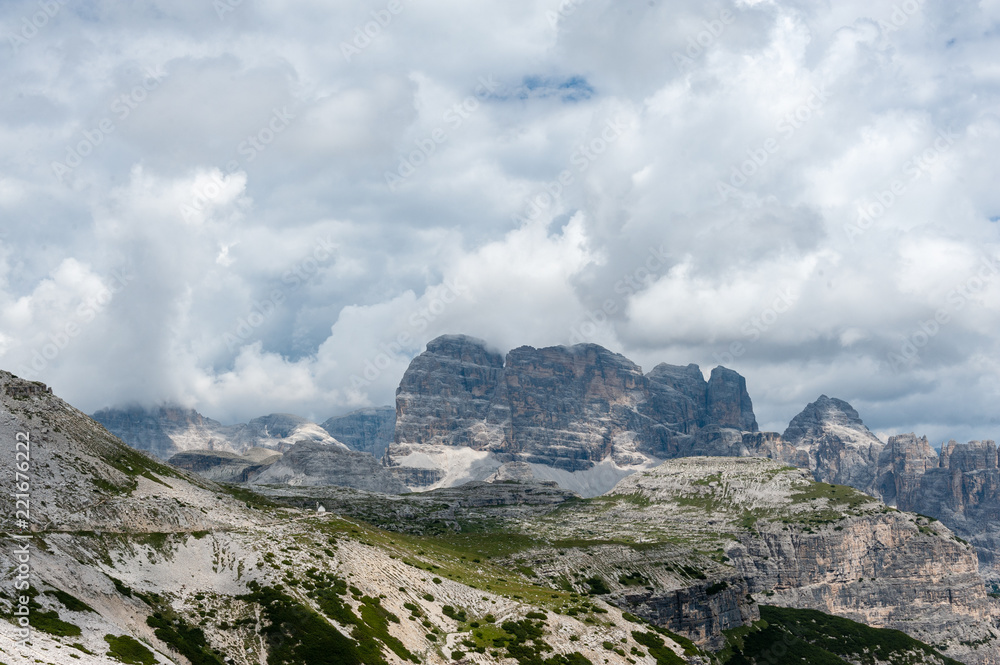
x=369, y=430
x=80, y=477
x=960, y=486
x=884, y=569
x=221, y=466
x=838, y=448
x=167, y=430
x=565, y=408
x=314, y=463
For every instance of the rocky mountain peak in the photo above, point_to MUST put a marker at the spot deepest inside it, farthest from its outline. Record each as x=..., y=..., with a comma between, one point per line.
x=446, y=390
x=840, y=449
x=463, y=348
x=824, y=415
x=728, y=402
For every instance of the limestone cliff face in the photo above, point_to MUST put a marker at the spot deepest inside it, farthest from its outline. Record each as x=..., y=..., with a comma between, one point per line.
x=885, y=570
x=753, y=525
x=566, y=408
x=446, y=392
x=222, y=466
x=727, y=402
x=153, y=430
x=368, y=430
x=312, y=463
x=961, y=487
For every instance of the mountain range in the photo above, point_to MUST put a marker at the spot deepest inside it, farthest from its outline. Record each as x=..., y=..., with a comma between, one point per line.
x=581, y=416
x=725, y=560
x=582, y=421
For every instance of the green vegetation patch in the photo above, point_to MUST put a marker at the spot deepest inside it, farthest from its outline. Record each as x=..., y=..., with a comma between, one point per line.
x=48, y=621
x=129, y=650
x=689, y=647
x=249, y=498
x=187, y=640
x=296, y=634
x=658, y=649
x=841, y=500
x=795, y=636
x=71, y=603
x=597, y=586
x=522, y=641
x=294, y=626
x=633, y=579
x=369, y=631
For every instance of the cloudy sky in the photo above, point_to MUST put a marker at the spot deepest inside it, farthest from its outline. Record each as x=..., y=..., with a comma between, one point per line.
x=250, y=206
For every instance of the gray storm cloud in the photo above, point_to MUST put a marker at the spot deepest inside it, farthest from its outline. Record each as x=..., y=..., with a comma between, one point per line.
x=252, y=207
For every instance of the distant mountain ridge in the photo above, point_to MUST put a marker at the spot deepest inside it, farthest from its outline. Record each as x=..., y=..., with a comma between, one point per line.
x=167, y=430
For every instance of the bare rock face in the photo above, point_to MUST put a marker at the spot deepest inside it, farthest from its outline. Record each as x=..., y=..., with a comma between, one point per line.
x=312, y=463
x=566, y=408
x=902, y=466
x=727, y=402
x=678, y=397
x=368, y=430
x=960, y=486
x=222, y=466
x=446, y=392
x=885, y=570
x=838, y=448
x=517, y=471
x=773, y=532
